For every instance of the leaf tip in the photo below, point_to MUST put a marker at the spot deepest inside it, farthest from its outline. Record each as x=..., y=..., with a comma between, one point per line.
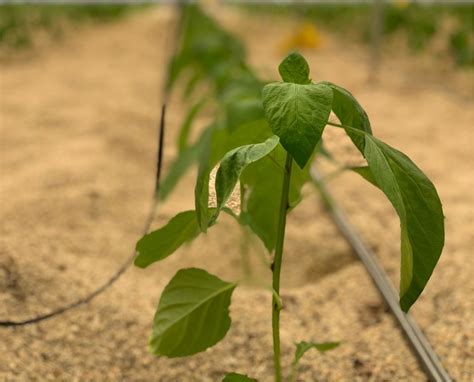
x=301, y=162
x=405, y=305
x=294, y=68
x=138, y=262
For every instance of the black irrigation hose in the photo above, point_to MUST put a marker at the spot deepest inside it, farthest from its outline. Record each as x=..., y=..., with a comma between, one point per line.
x=126, y=264
x=420, y=345
x=149, y=219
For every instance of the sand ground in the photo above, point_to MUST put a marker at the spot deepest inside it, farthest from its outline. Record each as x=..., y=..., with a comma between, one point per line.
x=78, y=132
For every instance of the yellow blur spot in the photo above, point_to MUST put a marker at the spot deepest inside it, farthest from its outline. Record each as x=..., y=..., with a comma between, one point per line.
x=401, y=3
x=305, y=37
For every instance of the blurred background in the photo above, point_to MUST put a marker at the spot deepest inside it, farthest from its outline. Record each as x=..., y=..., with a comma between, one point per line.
x=81, y=87
x=438, y=28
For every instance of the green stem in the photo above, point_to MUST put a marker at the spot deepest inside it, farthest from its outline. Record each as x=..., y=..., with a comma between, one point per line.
x=258, y=283
x=294, y=371
x=276, y=268
x=350, y=128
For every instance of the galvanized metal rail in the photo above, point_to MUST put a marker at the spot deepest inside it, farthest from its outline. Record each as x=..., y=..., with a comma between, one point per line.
x=420, y=345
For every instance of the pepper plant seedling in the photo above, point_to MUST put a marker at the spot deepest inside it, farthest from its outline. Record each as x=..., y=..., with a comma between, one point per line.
x=193, y=312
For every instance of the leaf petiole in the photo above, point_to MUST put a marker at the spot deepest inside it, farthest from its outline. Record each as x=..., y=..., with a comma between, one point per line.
x=257, y=283
x=275, y=162
x=351, y=128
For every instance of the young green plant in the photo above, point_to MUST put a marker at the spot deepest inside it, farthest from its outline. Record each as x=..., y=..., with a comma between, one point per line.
x=193, y=312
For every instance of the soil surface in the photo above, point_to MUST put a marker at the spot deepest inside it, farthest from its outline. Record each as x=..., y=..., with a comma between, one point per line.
x=78, y=137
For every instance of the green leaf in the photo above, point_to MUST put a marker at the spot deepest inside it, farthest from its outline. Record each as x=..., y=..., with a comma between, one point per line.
x=201, y=190
x=416, y=201
x=234, y=162
x=216, y=141
x=297, y=114
x=202, y=37
x=261, y=192
x=248, y=133
x=364, y=172
x=187, y=124
x=302, y=347
x=243, y=110
x=234, y=377
x=350, y=113
x=192, y=315
x=294, y=69
x=161, y=243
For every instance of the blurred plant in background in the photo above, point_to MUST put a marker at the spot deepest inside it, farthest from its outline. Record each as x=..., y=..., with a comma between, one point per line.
x=421, y=23
x=417, y=22
x=19, y=23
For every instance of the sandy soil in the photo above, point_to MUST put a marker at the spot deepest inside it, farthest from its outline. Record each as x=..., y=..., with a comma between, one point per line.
x=78, y=133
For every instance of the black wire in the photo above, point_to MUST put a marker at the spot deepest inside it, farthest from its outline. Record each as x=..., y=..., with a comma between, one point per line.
x=159, y=156
x=127, y=263
x=148, y=221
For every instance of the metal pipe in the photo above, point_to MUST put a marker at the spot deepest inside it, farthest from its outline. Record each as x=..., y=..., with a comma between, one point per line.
x=420, y=345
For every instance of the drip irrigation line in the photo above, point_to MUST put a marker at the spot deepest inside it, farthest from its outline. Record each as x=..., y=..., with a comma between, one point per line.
x=420, y=345
x=146, y=227
x=148, y=221
x=92, y=295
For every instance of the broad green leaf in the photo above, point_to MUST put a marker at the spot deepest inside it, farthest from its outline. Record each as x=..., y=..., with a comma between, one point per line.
x=295, y=69
x=235, y=377
x=247, y=133
x=187, y=123
x=234, y=162
x=364, y=172
x=416, y=201
x=161, y=243
x=350, y=113
x=297, y=114
x=302, y=347
x=192, y=315
x=216, y=141
x=241, y=83
x=261, y=192
x=243, y=110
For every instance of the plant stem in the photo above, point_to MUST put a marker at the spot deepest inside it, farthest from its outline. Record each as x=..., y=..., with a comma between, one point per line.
x=351, y=128
x=276, y=268
x=294, y=370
